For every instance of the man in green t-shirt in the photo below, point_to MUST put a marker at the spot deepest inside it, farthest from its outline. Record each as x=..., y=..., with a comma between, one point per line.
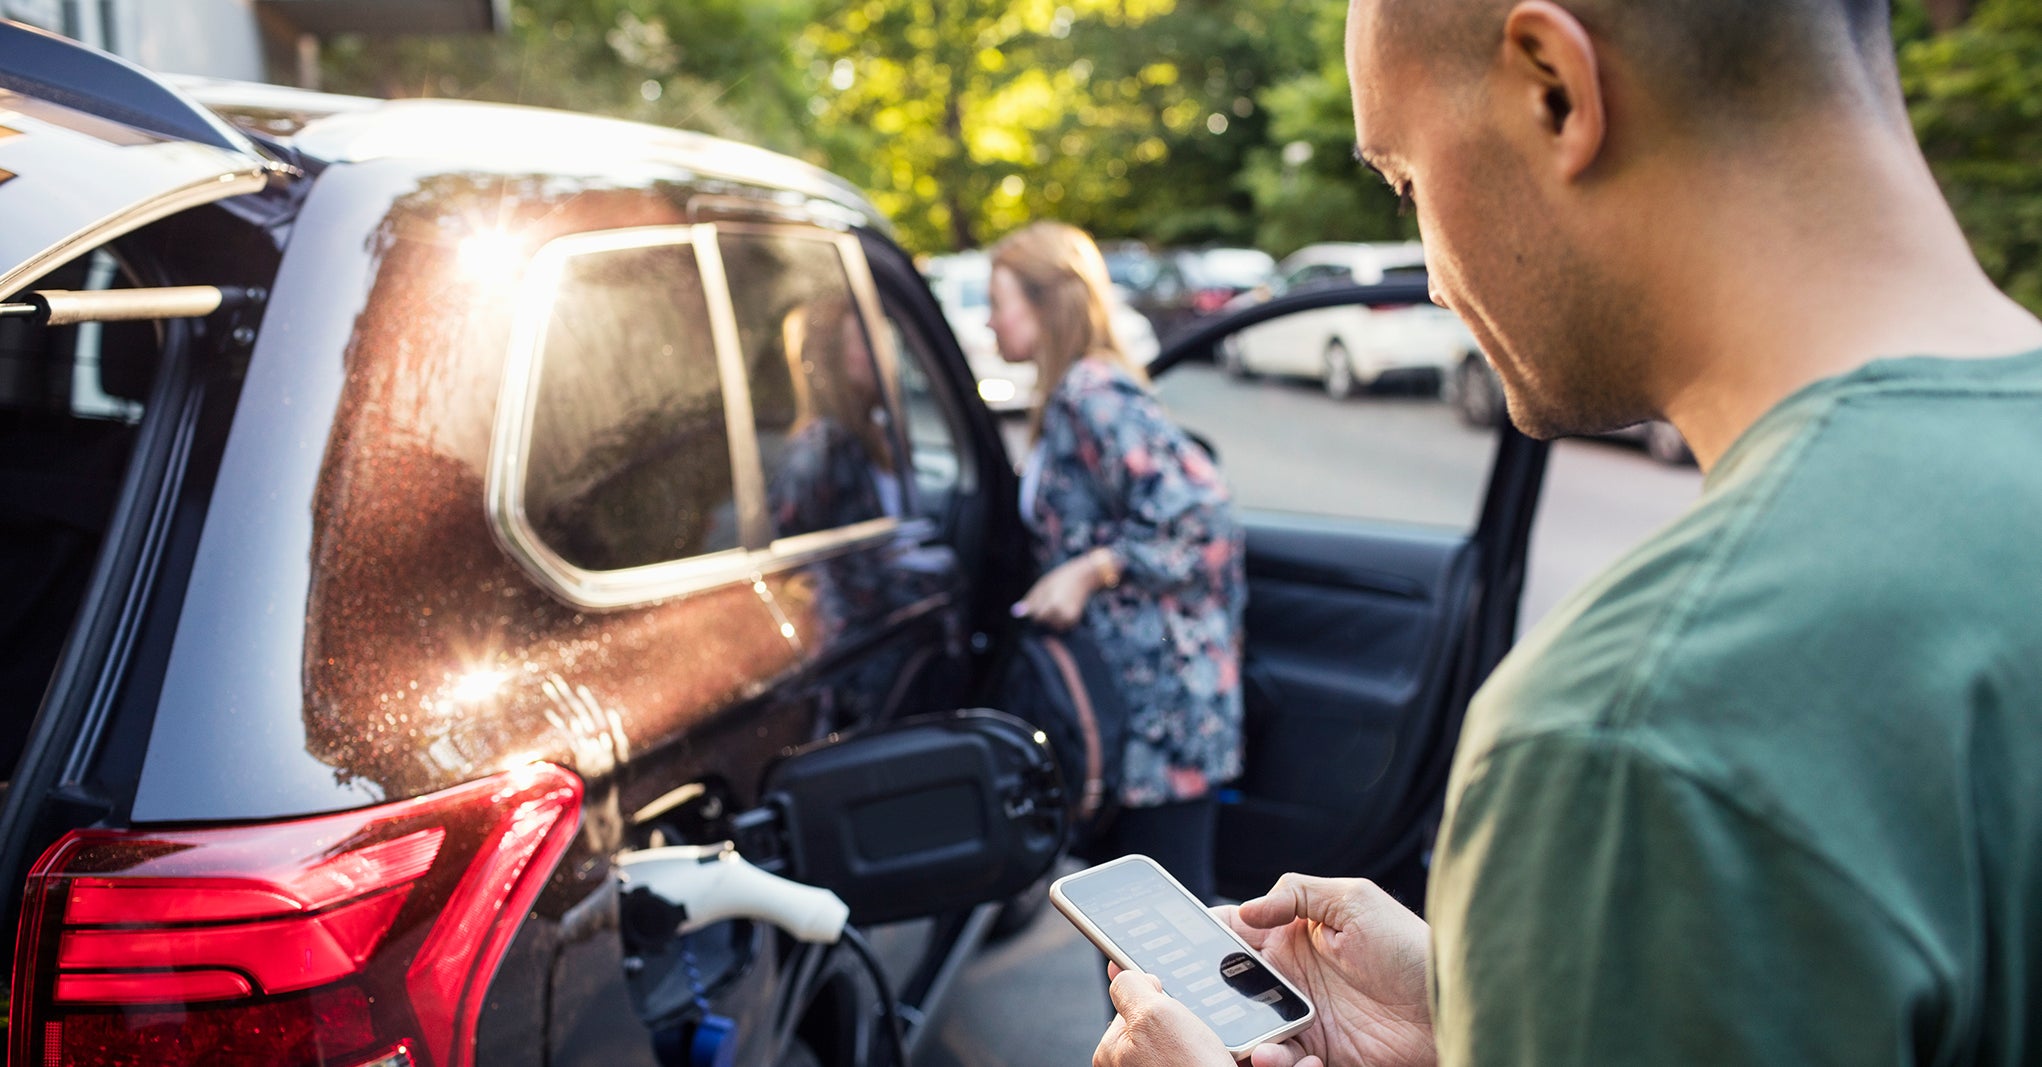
x=1770, y=790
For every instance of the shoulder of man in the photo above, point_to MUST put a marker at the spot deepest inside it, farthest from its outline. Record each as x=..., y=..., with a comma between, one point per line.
x=1797, y=646
x=1844, y=557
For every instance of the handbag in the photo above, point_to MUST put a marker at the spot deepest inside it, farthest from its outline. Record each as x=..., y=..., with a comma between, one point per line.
x=1060, y=684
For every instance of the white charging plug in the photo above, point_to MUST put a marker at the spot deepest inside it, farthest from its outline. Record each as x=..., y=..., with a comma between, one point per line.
x=712, y=884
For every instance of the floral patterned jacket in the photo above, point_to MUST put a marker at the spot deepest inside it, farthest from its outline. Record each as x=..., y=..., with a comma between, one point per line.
x=1116, y=472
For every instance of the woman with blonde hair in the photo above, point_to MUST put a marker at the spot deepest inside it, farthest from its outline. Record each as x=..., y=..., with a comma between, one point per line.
x=1138, y=545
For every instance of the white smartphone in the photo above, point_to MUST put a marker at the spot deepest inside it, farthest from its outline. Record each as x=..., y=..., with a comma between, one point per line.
x=1145, y=921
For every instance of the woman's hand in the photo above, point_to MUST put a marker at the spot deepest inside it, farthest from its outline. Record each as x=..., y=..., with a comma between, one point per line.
x=1057, y=599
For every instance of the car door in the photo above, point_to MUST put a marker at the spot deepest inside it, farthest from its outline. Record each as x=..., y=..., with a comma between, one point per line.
x=1386, y=554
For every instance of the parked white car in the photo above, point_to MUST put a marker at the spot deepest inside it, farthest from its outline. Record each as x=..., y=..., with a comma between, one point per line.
x=960, y=281
x=1350, y=348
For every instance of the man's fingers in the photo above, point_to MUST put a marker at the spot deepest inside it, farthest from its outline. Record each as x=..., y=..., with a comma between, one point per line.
x=1112, y=972
x=1284, y=1055
x=1332, y=901
x=1135, y=993
x=1229, y=916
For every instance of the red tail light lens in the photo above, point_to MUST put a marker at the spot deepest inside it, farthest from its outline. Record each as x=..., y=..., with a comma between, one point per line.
x=364, y=938
x=1207, y=301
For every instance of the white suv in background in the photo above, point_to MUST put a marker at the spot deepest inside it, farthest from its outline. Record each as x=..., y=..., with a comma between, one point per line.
x=1350, y=348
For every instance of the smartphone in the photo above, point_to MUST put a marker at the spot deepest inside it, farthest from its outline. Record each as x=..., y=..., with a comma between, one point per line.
x=1145, y=921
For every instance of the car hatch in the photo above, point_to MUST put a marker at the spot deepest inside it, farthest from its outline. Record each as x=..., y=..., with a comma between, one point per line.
x=91, y=148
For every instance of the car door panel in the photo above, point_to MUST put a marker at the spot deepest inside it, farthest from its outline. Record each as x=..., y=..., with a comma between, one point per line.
x=1348, y=627
x=1364, y=640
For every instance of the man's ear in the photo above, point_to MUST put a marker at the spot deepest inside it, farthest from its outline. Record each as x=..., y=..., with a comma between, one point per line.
x=1554, y=81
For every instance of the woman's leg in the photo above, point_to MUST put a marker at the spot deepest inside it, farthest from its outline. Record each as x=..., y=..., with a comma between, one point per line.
x=1179, y=836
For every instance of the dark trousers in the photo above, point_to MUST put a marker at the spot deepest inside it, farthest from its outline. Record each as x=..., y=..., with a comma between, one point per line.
x=1179, y=836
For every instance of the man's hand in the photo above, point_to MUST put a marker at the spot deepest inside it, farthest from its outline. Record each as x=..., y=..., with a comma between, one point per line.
x=1057, y=599
x=1153, y=1030
x=1358, y=955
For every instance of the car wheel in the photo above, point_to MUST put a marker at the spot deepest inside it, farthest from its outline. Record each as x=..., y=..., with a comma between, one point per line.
x=1665, y=444
x=1477, y=398
x=1339, y=372
x=1231, y=359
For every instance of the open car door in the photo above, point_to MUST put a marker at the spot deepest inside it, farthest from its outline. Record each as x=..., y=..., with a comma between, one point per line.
x=92, y=148
x=1386, y=556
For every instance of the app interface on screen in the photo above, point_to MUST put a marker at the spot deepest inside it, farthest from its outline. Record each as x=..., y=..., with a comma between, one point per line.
x=1168, y=935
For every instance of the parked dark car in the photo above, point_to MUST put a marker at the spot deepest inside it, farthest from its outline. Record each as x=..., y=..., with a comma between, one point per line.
x=1178, y=286
x=417, y=512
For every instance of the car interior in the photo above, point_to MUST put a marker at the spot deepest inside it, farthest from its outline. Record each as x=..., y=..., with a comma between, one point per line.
x=70, y=403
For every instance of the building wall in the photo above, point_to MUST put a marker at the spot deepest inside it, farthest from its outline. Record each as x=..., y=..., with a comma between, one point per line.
x=217, y=38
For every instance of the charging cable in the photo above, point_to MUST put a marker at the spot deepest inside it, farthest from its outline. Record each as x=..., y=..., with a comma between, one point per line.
x=699, y=885
x=708, y=884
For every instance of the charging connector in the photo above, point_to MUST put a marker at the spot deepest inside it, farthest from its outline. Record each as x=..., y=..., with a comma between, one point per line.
x=711, y=883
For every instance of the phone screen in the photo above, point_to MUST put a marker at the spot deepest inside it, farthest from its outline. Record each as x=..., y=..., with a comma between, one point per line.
x=1165, y=932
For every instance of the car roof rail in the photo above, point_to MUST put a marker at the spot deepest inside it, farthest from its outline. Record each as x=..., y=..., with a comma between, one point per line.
x=44, y=66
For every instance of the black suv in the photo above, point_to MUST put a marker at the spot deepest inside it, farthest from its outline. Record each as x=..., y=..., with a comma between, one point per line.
x=414, y=510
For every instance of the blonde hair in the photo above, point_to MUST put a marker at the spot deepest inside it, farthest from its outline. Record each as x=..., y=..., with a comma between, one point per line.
x=819, y=364
x=1064, y=279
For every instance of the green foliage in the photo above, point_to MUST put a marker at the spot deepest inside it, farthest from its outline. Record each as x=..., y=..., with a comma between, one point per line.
x=962, y=118
x=1176, y=121
x=966, y=118
x=1306, y=183
x=719, y=66
x=1975, y=94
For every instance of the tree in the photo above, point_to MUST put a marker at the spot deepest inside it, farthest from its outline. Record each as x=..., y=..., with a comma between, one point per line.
x=1305, y=183
x=719, y=66
x=966, y=118
x=1975, y=95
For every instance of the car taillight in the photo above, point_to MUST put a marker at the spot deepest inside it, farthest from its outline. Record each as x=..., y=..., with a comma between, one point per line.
x=1207, y=301
x=364, y=939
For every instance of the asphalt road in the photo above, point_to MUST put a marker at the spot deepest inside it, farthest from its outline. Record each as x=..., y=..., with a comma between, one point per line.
x=1037, y=1000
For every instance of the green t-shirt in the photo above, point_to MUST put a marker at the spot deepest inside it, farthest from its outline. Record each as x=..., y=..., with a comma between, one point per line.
x=1770, y=790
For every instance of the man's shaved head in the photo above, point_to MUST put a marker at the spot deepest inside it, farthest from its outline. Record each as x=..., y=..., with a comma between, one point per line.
x=1706, y=60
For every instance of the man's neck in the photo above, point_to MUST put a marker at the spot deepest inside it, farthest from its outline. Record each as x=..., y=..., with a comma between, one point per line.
x=1800, y=272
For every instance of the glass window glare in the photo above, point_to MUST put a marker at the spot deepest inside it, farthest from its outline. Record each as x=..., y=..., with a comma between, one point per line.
x=629, y=460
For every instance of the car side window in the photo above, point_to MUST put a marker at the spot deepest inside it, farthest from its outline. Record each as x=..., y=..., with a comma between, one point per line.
x=942, y=468
x=629, y=456
x=826, y=442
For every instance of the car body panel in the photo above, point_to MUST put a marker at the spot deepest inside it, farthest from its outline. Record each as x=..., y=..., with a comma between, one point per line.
x=90, y=180
x=403, y=694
